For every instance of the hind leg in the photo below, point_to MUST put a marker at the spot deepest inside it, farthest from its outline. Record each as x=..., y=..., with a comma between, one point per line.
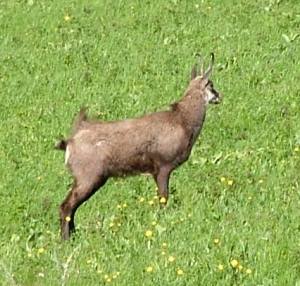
x=81, y=192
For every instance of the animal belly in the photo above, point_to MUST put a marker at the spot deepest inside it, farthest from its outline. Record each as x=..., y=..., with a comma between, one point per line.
x=131, y=165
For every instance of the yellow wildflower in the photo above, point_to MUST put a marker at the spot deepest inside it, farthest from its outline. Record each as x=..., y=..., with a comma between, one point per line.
x=149, y=269
x=230, y=182
x=248, y=271
x=163, y=200
x=179, y=272
x=124, y=205
x=141, y=199
x=222, y=179
x=297, y=149
x=216, y=241
x=234, y=263
x=41, y=250
x=148, y=233
x=164, y=244
x=221, y=267
x=67, y=18
x=67, y=218
x=151, y=203
x=240, y=267
x=171, y=258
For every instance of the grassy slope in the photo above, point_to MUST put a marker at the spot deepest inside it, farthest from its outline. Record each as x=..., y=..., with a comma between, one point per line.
x=124, y=58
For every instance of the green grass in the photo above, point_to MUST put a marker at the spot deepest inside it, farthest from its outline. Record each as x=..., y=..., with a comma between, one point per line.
x=125, y=58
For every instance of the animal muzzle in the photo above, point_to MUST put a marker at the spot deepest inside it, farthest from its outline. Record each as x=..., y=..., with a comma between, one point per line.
x=217, y=99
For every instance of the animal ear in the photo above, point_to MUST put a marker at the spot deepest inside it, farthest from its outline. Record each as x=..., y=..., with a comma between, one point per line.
x=209, y=69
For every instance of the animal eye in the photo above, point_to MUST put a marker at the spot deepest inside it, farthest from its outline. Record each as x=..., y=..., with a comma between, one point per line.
x=209, y=83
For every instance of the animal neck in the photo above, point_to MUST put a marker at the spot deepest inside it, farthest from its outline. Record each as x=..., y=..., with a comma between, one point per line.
x=192, y=109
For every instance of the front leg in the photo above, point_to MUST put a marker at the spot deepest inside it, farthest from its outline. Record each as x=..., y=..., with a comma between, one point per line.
x=162, y=182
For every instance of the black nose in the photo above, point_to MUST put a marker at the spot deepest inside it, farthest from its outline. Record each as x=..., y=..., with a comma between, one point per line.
x=218, y=97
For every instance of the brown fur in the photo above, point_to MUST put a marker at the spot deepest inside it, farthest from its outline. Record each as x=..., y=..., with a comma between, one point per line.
x=156, y=143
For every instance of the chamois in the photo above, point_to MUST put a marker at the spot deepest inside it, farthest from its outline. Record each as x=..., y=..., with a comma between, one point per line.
x=155, y=143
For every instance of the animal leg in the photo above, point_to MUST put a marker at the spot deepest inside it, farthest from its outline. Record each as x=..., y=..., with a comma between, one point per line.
x=162, y=182
x=80, y=193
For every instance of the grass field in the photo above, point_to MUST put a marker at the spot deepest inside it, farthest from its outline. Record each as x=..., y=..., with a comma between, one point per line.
x=233, y=216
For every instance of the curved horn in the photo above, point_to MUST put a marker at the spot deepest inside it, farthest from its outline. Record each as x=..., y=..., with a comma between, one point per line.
x=200, y=65
x=200, y=60
x=209, y=69
x=195, y=70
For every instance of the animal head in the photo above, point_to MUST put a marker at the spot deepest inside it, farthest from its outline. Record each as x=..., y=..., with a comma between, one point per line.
x=201, y=80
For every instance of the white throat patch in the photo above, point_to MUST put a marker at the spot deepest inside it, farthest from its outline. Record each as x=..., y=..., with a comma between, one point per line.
x=209, y=96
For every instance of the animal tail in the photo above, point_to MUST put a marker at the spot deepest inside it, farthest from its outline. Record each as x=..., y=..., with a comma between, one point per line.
x=61, y=145
x=81, y=117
